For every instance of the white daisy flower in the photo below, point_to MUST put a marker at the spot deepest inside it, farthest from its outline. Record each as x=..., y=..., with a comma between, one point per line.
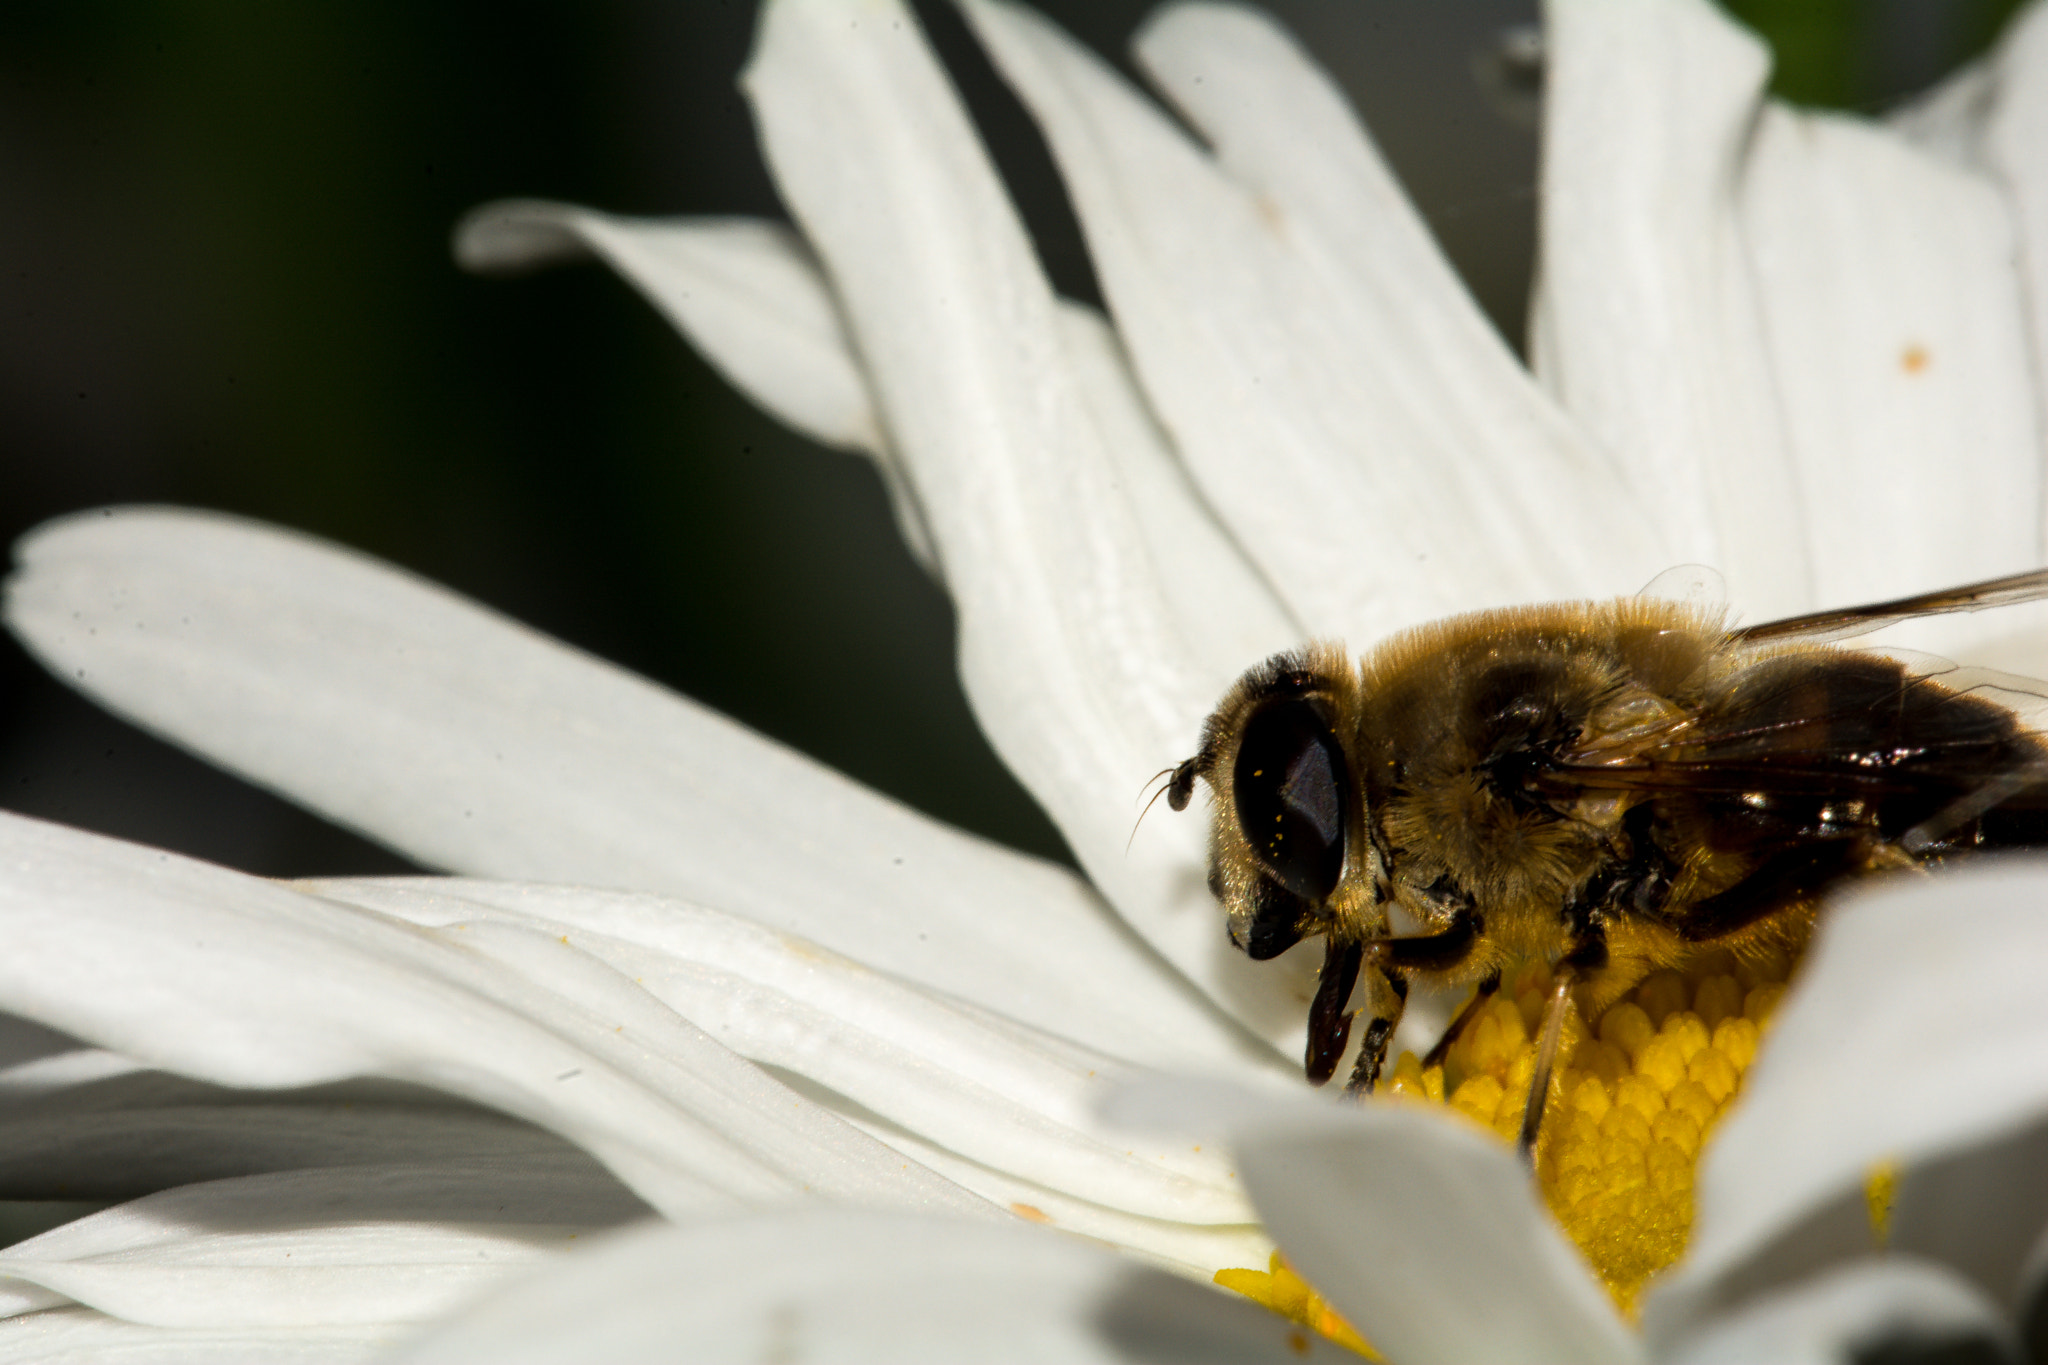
x=710, y=977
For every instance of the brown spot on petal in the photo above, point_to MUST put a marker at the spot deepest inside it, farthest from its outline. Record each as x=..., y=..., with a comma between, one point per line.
x=1271, y=214
x=1031, y=1213
x=1913, y=359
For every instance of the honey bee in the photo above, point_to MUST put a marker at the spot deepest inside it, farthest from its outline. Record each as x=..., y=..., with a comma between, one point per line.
x=1613, y=786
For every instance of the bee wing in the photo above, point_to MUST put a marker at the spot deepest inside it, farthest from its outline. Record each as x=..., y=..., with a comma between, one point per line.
x=1824, y=723
x=2025, y=697
x=1695, y=585
x=1820, y=627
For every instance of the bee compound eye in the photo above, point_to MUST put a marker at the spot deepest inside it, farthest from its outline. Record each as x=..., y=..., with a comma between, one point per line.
x=1289, y=788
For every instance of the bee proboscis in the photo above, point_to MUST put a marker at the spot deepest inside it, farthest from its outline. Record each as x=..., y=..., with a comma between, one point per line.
x=1612, y=786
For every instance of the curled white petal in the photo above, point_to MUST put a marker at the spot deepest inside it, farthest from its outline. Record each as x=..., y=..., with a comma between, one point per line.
x=1651, y=329
x=1987, y=118
x=2012, y=152
x=1198, y=1250
x=1339, y=398
x=751, y=297
x=1850, y=1080
x=1222, y=606
x=91, y=1141
x=987, y=1088
x=243, y=982
x=747, y=293
x=1861, y=1311
x=355, y=1244
x=1808, y=336
x=1395, y=1214
x=1072, y=654
x=1981, y=1211
x=472, y=743
x=833, y=1286
x=749, y=289
x=80, y=1334
x=1892, y=299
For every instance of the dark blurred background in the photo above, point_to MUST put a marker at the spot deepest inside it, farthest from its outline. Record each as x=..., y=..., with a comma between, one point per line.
x=225, y=281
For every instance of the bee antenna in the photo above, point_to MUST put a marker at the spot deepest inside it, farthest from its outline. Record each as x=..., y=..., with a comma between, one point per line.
x=1179, y=785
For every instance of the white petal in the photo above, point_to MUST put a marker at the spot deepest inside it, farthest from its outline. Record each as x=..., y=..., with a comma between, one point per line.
x=2012, y=142
x=23, y=1041
x=834, y=1286
x=1652, y=330
x=1340, y=399
x=1071, y=653
x=1855, y=1314
x=749, y=290
x=1980, y=1211
x=358, y=1244
x=127, y=1152
x=1197, y=1250
x=750, y=296
x=472, y=743
x=987, y=1088
x=1988, y=117
x=1892, y=302
x=243, y=982
x=81, y=1335
x=1949, y=119
x=91, y=1124
x=747, y=293
x=1849, y=1079
x=1222, y=606
x=61, y=1074
x=1424, y=1231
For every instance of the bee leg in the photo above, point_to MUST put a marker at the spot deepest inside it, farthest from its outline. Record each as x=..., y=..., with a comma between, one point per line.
x=1329, y=1022
x=1395, y=958
x=1588, y=954
x=1546, y=1060
x=1784, y=877
x=1372, y=1051
x=1439, y=952
x=1488, y=984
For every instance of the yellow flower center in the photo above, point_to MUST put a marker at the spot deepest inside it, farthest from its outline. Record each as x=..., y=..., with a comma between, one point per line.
x=1632, y=1101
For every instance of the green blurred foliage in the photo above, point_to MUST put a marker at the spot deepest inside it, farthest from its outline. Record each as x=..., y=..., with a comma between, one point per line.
x=1863, y=55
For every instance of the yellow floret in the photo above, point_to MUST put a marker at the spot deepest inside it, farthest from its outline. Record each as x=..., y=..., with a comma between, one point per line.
x=1634, y=1099
x=1627, y=1027
x=1634, y=1102
x=1759, y=1003
x=1405, y=1080
x=1479, y=1097
x=1591, y=1098
x=1715, y=1073
x=1661, y=1062
x=1719, y=998
x=1279, y=1288
x=1735, y=1039
x=1660, y=993
x=1879, y=1190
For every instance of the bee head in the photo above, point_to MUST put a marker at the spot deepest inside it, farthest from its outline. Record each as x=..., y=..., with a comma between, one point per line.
x=1285, y=793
